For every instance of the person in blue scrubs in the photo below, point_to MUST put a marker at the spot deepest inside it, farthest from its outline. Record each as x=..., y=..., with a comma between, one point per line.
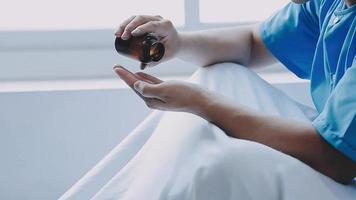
x=326, y=30
x=314, y=39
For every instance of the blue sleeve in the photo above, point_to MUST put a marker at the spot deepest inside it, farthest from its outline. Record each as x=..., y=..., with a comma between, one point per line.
x=337, y=122
x=291, y=36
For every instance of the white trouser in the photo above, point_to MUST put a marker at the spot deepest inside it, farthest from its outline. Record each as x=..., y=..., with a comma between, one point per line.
x=180, y=156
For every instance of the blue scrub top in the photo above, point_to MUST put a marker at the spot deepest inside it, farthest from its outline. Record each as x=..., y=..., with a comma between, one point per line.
x=317, y=41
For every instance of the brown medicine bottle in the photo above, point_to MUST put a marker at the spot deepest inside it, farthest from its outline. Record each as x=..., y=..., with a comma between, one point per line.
x=146, y=48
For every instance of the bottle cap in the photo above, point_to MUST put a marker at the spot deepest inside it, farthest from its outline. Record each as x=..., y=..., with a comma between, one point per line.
x=157, y=51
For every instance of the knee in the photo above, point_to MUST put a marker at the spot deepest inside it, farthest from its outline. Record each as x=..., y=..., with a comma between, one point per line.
x=219, y=73
x=211, y=69
x=222, y=79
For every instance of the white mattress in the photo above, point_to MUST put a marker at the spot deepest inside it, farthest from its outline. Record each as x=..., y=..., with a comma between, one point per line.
x=181, y=156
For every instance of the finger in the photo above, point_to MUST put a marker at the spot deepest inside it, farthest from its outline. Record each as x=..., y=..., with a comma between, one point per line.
x=137, y=21
x=125, y=71
x=126, y=75
x=148, y=90
x=143, y=79
x=122, y=26
x=129, y=78
x=158, y=26
x=149, y=77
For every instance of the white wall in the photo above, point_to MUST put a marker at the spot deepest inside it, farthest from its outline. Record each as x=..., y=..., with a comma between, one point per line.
x=48, y=140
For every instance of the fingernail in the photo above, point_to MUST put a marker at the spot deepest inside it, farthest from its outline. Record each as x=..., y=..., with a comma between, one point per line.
x=116, y=67
x=136, y=31
x=138, y=85
x=124, y=37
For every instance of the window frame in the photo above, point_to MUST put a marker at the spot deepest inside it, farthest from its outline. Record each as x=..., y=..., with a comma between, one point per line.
x=16, y=43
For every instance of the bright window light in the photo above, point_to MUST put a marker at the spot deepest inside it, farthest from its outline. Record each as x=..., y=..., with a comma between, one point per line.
x=212, y=11
x=82, y=14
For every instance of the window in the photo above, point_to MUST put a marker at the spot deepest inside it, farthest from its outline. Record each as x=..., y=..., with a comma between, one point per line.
x=81, y=14
x=238, y=10
x=52, y=39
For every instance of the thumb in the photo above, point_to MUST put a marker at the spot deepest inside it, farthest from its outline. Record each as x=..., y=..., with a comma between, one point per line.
x=147, y=89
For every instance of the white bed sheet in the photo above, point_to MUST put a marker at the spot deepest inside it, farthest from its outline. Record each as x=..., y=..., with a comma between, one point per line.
x=173, y=155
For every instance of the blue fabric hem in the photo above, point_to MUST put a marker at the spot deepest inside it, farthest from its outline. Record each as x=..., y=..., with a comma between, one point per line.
x=289, y=65
x=337, y=142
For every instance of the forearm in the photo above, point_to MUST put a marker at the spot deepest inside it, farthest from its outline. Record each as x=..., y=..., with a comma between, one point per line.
x=237, y=44
x=298, y=139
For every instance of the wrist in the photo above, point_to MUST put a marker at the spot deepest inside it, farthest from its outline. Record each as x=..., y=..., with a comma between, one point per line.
x=182, y=43
x=205, y=104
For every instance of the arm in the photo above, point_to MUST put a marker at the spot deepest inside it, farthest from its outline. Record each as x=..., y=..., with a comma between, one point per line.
x=240, y=44
x=298, y=139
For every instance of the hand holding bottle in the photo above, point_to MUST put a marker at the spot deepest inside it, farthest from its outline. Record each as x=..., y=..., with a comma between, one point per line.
x=142, y=24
